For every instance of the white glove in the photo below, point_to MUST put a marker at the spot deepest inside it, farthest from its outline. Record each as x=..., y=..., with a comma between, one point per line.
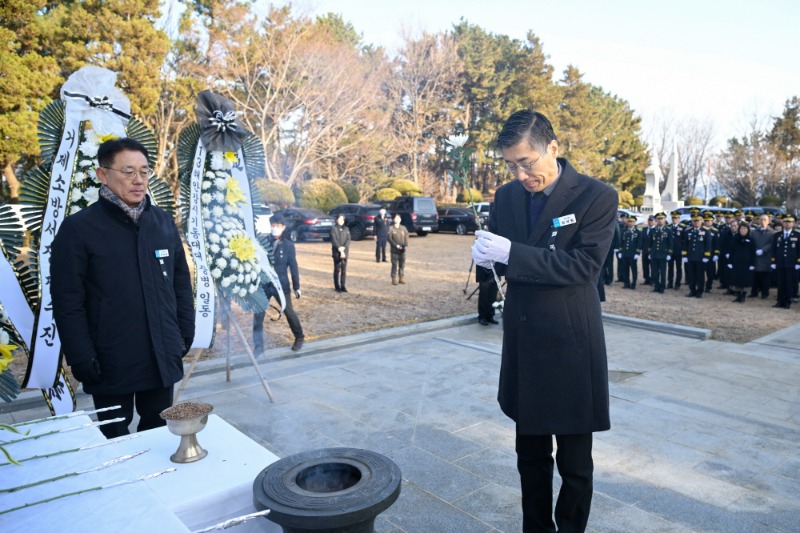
x=797, y=267
x=650, y=256
x=752, y=268
x=297, y=293
x=730, y=266
x=759, y=252
x=685, y=259
x=490, y=248
x=773, y=266
x=616, y=250
x=715, y=258
x=669, y=257
x=727, y=256
x=635, y=257
x=619, y=255
x=705, y=260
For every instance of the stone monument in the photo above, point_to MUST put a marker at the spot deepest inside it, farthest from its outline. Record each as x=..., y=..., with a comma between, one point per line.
x=652, y=198
x=669, y=198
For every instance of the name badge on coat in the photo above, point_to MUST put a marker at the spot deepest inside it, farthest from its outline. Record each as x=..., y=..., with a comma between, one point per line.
x=566, y=220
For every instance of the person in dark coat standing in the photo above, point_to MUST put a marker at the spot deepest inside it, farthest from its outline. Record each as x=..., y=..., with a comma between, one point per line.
x=487, y=295
x=660, y=251
x=381, y=226
x=340, y=250
x=696, y=253
x=285, y=254
x=608, y=266
x=786, y=261
x=629, y=250
x=398, y=244
x=762, y=235
x=741, y=261
x=674, y=265
x=122, y=295
x=711, y=266
x=646, y=231
x=549, y=234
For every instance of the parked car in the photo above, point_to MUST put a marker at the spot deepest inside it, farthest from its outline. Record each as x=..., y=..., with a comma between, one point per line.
x=641, y=219
x=360, y=218
x=760, y=210
x=483, y=211
x=302, y=223
x=417, y=213
x=686, y=215
x=458, y=219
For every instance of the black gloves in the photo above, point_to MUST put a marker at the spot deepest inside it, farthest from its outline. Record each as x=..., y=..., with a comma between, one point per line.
x=87, y=372
x=187, y=345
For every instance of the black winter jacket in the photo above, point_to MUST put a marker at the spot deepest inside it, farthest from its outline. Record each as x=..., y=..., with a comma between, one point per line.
x=113, y=299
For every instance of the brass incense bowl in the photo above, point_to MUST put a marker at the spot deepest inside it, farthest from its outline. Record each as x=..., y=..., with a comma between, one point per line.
x=186, y=420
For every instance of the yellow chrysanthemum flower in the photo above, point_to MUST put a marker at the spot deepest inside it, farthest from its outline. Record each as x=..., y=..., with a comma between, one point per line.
x=107, y=137
x=242, y=248
x=5, y=355
x=231, y=157
x=234, y=194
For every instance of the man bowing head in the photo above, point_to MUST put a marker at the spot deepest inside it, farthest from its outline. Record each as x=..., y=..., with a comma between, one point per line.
x=549, y=234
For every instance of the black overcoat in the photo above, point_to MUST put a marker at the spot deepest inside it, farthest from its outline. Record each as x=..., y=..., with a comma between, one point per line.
x=742, y=256
x=113, y=300
x=554, y=372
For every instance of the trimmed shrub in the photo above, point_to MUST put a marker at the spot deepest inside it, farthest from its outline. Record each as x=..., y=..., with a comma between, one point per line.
x=386, y=194
x=463, y=196
x=320, y=194
x=275, y=192
x=351, y=191
x=694, y=200
x=770, y=201
x=625, y=199
x=406, y=187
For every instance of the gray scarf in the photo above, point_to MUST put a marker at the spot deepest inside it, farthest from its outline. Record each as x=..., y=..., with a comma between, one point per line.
x=133, y=212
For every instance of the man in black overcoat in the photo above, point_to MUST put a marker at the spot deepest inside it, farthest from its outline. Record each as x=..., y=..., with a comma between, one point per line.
x=549, y=234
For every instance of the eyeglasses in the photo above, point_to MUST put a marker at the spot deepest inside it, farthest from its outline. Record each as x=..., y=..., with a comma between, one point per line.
x=526, y=167
x=130, y=173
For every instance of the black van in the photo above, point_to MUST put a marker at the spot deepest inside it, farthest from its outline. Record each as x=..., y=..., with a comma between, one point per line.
x=417, y=213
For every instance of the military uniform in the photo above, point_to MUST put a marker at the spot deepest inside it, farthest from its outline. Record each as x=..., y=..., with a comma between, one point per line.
x=711, y=266
x=674, y=265
x=629, y=250
x=696, y=252
x=660, y=246
x=785, y=262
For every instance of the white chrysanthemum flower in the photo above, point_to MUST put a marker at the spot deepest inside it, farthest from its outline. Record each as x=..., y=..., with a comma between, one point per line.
x=222, y=174
x=205, y=185
x=208, y=224
x=213, y=237
x=240, y=278
x=223, y=241
x=85, y=163
x=252, y=289
x=217, y=160
x=235, y=263
x=88, y=148
x=218, y=228
x=206, y=212
x=216, y=273
x=242, y=292
x=457, y=141
x=211, y=175
x=217, y=211
x=225, y=282
x=75, y=195
x=214, y=248
x=4, y=337
x=92, y=174
x=205, y=198
x=231, y=209
x=247, y=266
x=221, y=183
x=78, y=177
x=91, y=194
x=226, y=252
x=219, y=197
x=74, y=209
x=221, y=263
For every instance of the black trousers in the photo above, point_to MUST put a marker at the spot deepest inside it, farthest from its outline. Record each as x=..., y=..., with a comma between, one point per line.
x=658, y=273
x=675, y=270
x=487, y=295
x=761, y=283
x=380, y=248
x=695, y=276
x=646, y=269
x=148, y=403
x=339, y=273
x=291, y=318
x=608, y=268
x=630, y=271
x=787, y=280
x=711, y=273
x=575, y=466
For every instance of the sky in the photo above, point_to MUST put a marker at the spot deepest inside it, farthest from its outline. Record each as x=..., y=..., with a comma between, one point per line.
x=710, y=60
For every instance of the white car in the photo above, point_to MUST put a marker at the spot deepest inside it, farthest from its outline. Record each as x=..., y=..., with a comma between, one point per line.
x=641, y=218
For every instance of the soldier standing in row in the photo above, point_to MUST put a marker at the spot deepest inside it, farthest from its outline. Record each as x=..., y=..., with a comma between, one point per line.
x=696, y=252
x=711, y=266
x=646, y=266
x=786, y=261
x=660, y=246
x=674, y=265
x=629, y=250
x=763, y=237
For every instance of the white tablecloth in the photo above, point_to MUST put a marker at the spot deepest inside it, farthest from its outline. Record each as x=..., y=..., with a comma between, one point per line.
x=196, y=495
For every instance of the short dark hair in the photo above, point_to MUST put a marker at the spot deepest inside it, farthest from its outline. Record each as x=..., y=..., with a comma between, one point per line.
x=109, y=150
x=526, y=125
x=277, y=218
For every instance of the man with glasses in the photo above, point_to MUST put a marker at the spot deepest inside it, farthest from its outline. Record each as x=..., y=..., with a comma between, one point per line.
x=122, y=296
x=549, y=234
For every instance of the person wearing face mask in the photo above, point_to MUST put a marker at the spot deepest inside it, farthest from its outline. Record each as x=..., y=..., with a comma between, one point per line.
x=381, y=235
x=398, y=242
x=340, y=249
x=285, y=256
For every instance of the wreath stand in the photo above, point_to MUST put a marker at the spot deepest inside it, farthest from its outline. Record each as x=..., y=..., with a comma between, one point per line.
x=225, y=304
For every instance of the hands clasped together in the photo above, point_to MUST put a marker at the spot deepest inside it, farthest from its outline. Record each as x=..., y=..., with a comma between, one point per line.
x=490, y=248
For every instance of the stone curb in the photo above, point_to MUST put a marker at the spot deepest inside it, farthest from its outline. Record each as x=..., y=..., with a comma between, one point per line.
x=661, y=327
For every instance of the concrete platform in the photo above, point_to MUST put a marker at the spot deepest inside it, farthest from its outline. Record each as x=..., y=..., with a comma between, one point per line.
x=704, y=433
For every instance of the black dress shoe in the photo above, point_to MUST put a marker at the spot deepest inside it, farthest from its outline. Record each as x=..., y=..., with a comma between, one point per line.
x=698, y=295
x=298, y=343
x=492, y=321
x=383, y=260
x=691, y=294
x=344, y=290
x=778, y=305
x=483, y=322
